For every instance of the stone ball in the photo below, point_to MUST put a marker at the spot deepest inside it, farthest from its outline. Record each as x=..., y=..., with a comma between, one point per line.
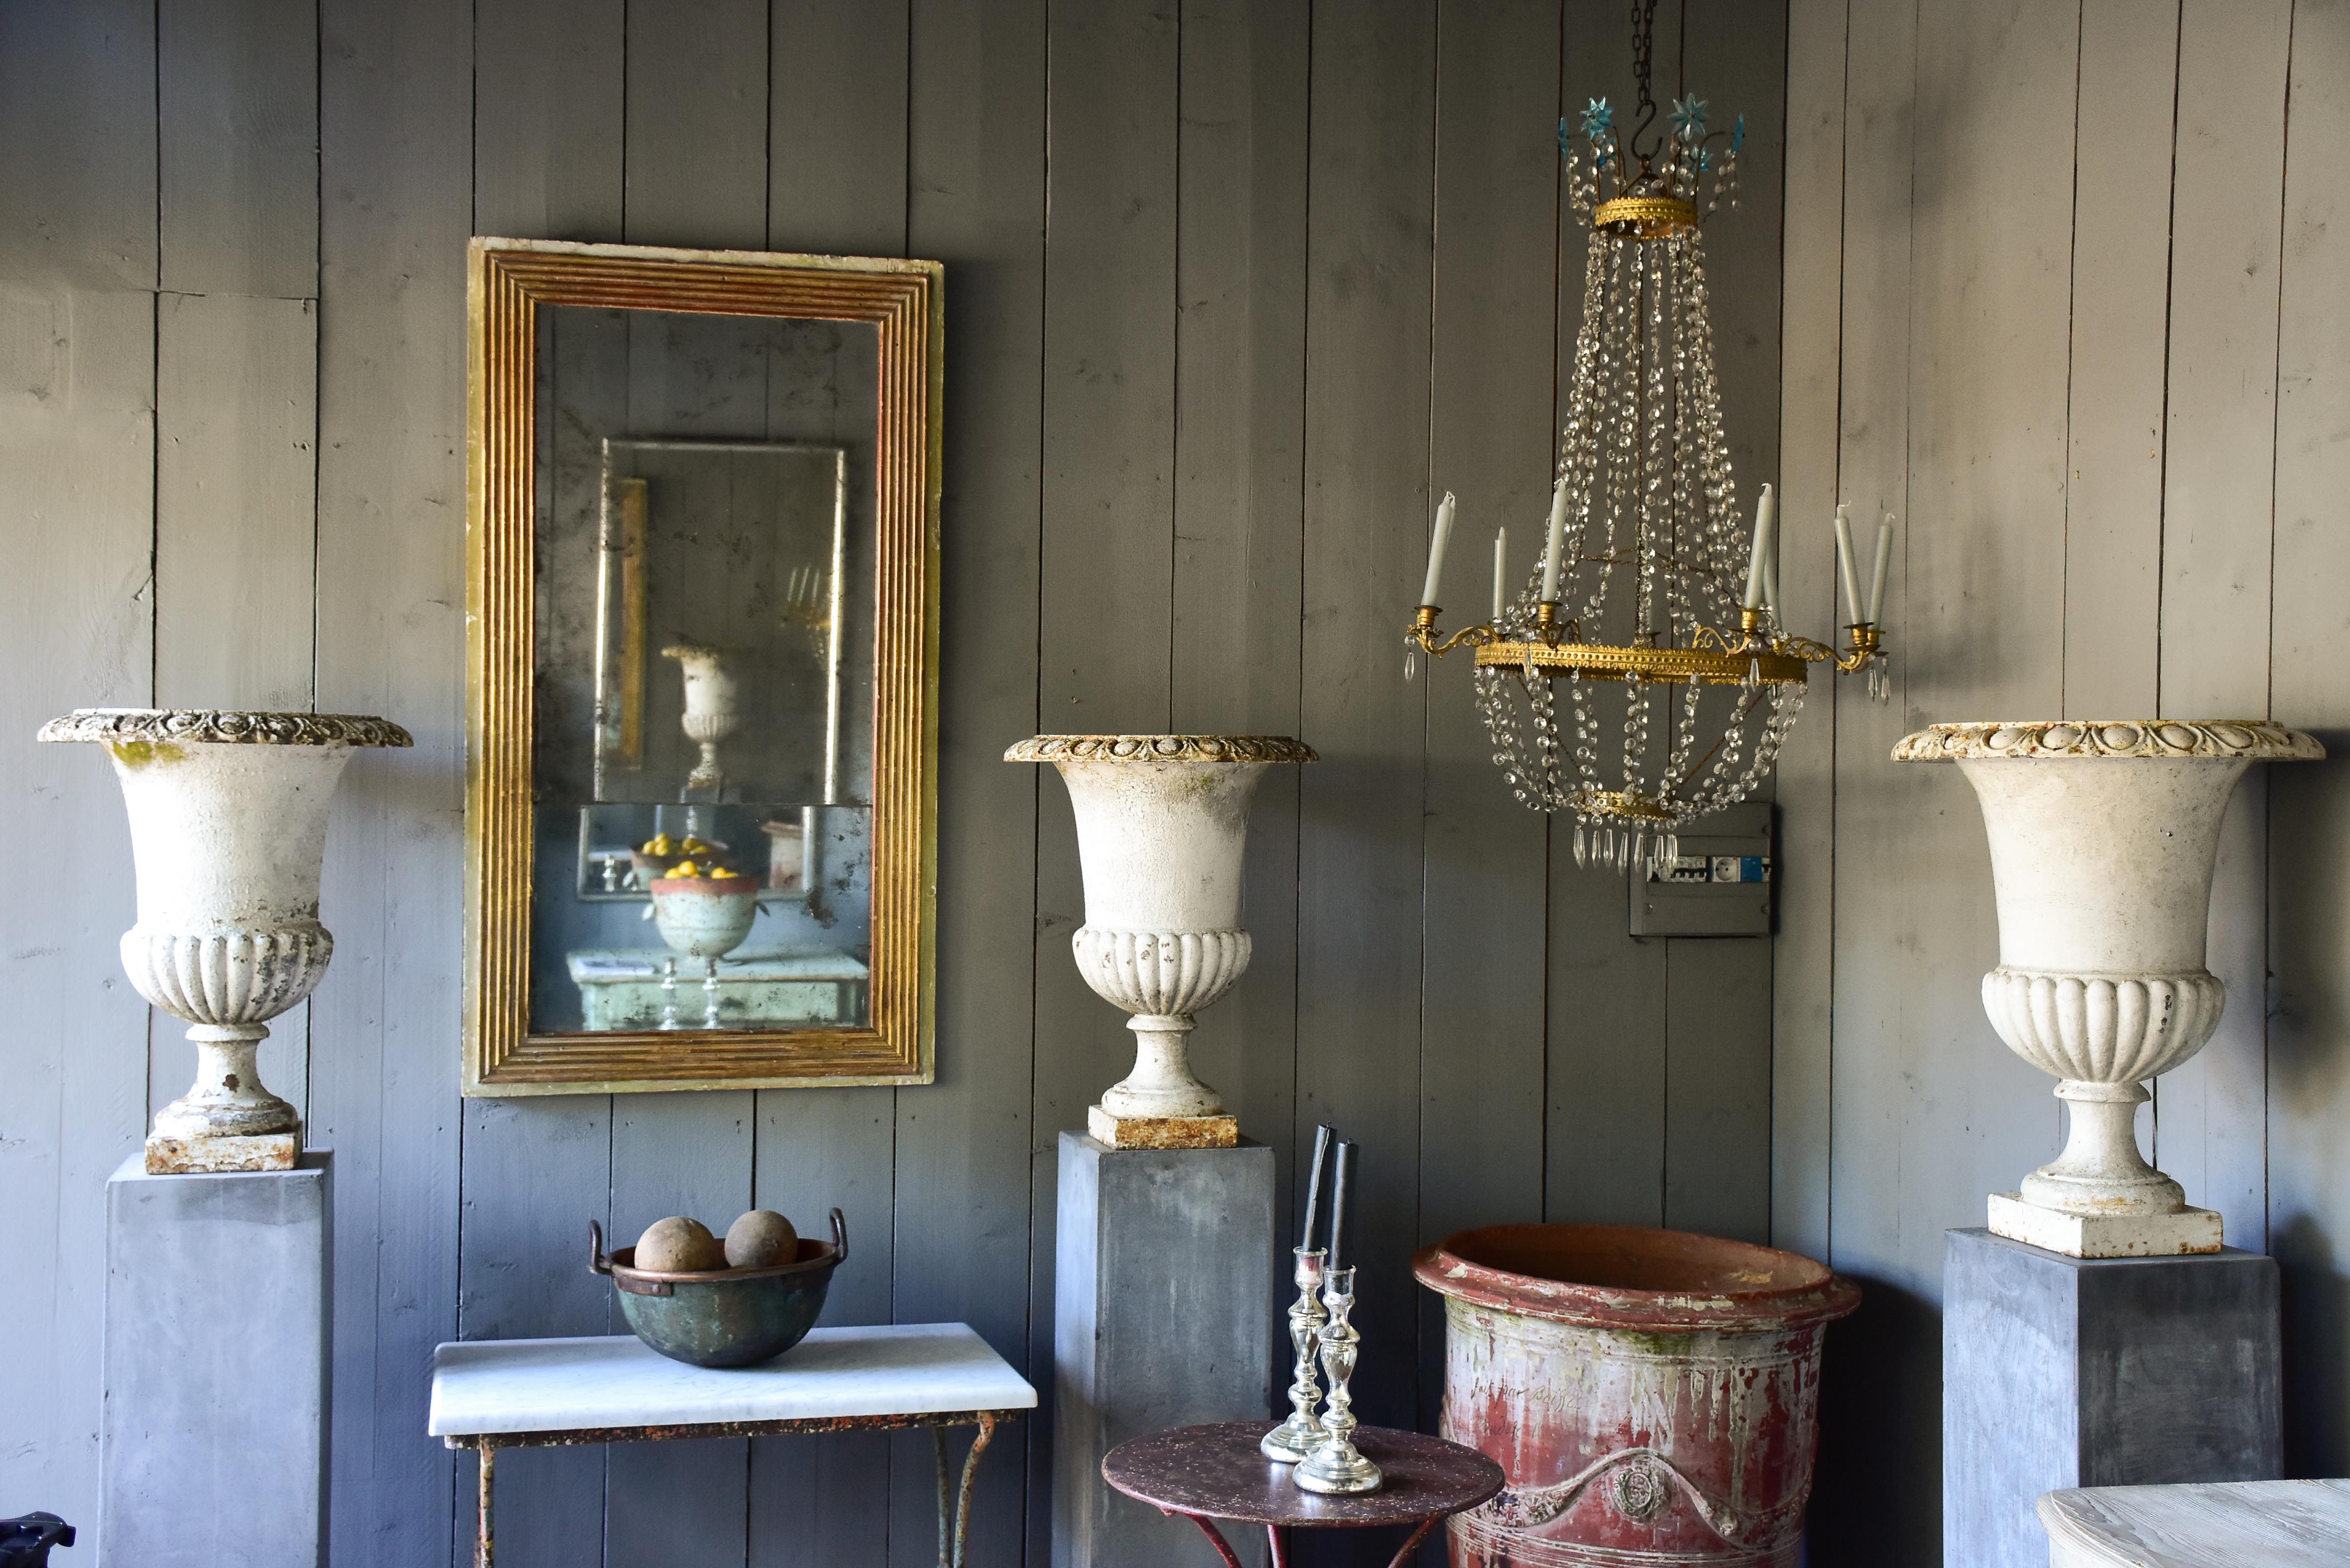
x=678, y=1245
x=760, y=1240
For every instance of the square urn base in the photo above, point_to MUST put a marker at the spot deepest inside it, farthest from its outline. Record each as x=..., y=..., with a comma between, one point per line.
x=214, y=1155
x=1161, y=1132
x=2186, y=1232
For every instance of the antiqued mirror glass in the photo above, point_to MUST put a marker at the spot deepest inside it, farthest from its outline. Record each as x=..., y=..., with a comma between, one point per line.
x=704, y=545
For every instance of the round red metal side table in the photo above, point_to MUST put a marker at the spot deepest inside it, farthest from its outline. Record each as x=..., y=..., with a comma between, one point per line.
x=1207, y=1473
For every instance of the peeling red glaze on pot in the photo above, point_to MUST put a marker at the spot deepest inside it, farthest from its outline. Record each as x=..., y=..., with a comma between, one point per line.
x=1652, y=1396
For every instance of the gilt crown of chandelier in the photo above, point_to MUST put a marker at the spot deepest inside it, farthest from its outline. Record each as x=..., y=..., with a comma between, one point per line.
x=1624, y=626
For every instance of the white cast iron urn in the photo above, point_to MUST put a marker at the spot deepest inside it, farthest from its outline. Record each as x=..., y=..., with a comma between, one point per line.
x=228, y=830
x=2102, y=840
x=1162, y=822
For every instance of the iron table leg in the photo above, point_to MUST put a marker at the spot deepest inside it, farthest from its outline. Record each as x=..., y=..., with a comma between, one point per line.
x=483, y=1546
x=980, y=1439
x=1404, y=1556
x=1280, y=1545
x=1215, y=1537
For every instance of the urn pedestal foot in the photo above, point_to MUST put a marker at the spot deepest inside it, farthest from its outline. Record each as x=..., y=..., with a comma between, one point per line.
x=2189, y=1231
x=219, y=1153
x=1161, y=1132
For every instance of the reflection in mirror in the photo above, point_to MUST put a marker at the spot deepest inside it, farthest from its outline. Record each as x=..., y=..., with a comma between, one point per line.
x=704, y=661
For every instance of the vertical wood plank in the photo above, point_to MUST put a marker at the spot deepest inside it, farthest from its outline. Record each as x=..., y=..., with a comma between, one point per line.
x=1105, y=635
x=1604, y=1134
x=1239, y=501
x=976, y=149
x=1803, y=953
x=1877, y=1432
x=697, y=124
x=1368, y=315
x=696, y=175
x=836, y=150
x=2121, y=308
x=77, y=625
x=549, y=118
x=238, y=96
x=1932, y=1112
x=2309, y=803
x=1498, y=183
x=395, y=116
x=1718, y=992
x=2217, y=538
x=836, y=182
x=81, y=90
x=547, y=128
x=235, y=545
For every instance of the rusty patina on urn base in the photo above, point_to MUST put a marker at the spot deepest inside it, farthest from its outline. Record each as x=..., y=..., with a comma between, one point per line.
x=1652, y=1396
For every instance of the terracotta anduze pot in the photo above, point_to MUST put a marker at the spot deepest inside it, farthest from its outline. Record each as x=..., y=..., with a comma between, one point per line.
x=1653, y=1396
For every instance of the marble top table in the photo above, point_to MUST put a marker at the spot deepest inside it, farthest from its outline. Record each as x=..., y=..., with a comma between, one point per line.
x=2222, y=1524
x=611, y=1388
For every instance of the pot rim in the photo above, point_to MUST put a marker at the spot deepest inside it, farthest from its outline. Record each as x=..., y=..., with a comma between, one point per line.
x=1770, y=1309
x=616, y=1263
x=2086, y=740
x=1160, y=749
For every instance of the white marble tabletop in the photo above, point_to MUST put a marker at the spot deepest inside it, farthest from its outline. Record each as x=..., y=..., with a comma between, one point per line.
x=488, y=1385
x=2219, y=1524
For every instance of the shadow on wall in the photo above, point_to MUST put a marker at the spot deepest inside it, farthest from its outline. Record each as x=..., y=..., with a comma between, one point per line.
x=2309, y=1105
x=1876, y=1499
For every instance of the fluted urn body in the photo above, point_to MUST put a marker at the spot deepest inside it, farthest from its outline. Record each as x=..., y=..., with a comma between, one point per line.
x=1162, y=828
x=2102, y=837
x=228, y=832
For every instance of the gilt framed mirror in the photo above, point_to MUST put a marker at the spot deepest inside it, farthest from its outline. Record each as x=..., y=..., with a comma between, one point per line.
x=702, y=580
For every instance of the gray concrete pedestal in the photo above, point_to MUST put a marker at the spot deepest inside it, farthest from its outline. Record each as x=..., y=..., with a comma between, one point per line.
x=1163, y=1317
x=213, y=1434
x=2070, y=1372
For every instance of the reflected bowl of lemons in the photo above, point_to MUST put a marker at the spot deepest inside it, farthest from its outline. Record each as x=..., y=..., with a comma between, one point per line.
x=704, y=907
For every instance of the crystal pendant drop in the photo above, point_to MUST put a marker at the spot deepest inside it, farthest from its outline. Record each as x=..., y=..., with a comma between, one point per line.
x=1410, y=662
x=1582, y=856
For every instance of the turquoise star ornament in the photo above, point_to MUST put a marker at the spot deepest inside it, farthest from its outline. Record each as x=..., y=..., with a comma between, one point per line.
x=1738, y=135
x=1688, y=117
x=1598, y=119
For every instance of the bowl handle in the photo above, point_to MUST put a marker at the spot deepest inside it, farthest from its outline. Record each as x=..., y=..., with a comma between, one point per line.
x=597, y=1262
x=839, y=1237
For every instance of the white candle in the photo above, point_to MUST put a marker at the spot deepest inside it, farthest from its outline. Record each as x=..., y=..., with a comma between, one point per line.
x=1883, y=559
x=1500, y=555
x=1552, y=551
x=1766, y=512
x=1843, y=560
x=1436, y=548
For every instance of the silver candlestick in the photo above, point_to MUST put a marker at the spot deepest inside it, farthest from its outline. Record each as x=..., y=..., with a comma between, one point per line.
x=1303, y=1432
x=1336, y=1466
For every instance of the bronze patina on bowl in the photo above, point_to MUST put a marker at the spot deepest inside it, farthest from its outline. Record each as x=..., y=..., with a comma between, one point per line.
x=723, y=1317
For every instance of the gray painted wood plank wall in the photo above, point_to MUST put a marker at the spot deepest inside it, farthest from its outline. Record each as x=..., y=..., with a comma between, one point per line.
x=1204, y=347
x=1235, y=286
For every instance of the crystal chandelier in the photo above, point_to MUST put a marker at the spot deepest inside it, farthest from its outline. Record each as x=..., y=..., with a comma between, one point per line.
x=1612, y=684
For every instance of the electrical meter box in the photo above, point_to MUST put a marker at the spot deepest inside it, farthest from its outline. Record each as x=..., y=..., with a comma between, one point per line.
x=1719, y=887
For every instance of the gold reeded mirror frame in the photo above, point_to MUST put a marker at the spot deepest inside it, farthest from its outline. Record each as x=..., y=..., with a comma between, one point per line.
x=507, y=282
